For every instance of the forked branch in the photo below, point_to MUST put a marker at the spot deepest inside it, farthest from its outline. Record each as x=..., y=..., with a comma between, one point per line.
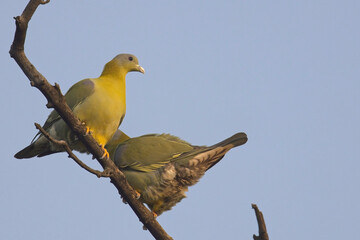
x=67, y=149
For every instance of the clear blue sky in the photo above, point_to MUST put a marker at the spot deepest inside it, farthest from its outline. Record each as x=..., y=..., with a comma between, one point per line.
x=285, y=72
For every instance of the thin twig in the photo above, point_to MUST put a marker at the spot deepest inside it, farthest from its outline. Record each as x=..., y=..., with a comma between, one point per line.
x=67, y=149
x=263, y=235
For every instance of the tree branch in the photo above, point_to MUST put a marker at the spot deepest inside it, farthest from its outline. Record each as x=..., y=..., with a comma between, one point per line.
x=67, y=149
x=263, y=235
x=57, y=100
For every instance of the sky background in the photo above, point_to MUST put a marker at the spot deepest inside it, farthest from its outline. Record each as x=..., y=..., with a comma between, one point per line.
x=285, y=72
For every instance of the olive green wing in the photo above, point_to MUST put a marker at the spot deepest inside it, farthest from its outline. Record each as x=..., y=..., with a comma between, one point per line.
x=75, y=95
x=149, y=152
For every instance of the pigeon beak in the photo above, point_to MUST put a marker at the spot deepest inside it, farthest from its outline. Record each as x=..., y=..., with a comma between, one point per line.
x=140, y=69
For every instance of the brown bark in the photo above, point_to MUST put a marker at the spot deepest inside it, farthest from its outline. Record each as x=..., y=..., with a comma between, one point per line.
x=263, y=235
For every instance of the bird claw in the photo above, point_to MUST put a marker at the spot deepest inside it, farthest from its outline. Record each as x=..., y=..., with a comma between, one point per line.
x=88, y=130
x=106, y=154
x=137, y=194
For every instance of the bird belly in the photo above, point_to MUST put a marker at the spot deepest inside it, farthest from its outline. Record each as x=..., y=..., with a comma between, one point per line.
x=160, y=190
x=102, y=116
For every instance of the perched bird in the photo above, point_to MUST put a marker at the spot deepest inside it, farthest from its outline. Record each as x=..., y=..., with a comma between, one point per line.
x=161, y=167
x=100, y=104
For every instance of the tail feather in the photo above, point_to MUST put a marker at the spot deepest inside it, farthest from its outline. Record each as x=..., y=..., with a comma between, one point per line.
x=209, y=156
x=223, y=147
x=235, y=140
x=32, y=150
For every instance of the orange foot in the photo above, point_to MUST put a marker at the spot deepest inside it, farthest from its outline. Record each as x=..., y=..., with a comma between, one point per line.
x=88, y=131
x=137, y=194
x=106, y=153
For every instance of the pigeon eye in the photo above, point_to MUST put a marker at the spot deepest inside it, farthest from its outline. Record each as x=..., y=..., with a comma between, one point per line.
x=131, y=58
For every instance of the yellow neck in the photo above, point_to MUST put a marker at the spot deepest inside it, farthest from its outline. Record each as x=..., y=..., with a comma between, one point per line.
x=112, y=69
x=113, y=80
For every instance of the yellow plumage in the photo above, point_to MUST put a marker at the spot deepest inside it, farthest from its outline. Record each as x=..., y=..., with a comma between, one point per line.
x=100, y=103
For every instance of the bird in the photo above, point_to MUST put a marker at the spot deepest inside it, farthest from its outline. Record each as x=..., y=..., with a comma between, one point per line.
x=161, y=167
x=99, y=103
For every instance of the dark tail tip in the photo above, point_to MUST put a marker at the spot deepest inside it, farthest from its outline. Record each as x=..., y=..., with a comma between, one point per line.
x=27, y=152
x=239, y=139
x=236, y=140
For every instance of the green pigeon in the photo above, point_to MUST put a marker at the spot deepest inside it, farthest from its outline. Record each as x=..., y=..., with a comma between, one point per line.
x=161, y=167
x=100, y=103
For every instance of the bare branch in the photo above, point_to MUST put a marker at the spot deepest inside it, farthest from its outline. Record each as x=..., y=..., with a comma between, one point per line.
x=57, y=100
x=67, y=149
x=263, y=235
